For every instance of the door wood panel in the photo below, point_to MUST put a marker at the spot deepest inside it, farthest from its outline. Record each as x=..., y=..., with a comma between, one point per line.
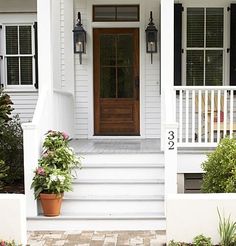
x=116, y=81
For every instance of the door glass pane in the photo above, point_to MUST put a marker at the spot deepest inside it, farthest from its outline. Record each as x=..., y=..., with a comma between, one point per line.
x=26, y=70
x=107, y=50
x=125, y=50
x=25, y=39
x=214, y=67
x=195, y=67
x=125, y=82
x=108, y=82
x=195, y=27
x=12, y=70
x=11, y=40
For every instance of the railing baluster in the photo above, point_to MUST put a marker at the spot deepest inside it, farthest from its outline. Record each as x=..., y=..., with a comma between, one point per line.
x=231, y=112
x=187, y=115
x=180, y=116
x=199, y=116
x=212, y=116
x=225, y=112
x=206, y=115
x=193, y=116
x=218, y=115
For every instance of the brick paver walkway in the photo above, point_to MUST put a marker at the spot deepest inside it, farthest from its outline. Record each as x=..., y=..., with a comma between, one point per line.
x=97, y=238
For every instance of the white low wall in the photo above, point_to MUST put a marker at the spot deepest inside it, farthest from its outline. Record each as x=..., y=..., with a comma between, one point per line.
x=189, y=215
x=13, y=218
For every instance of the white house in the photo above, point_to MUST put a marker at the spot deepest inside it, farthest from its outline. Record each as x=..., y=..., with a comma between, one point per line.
x=142, y=122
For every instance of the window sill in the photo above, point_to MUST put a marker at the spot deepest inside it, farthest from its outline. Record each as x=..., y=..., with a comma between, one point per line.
x=21, y=89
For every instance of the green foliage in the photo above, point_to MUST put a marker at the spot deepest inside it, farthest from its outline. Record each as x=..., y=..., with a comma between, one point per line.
x=227, y=230
x=9, y=243
x=11, y=149
x=201, y=240
x=173, y=243
x=220, y=168
x=3, y=172
x=5, y=107
x=51, y=180
x=54, y=174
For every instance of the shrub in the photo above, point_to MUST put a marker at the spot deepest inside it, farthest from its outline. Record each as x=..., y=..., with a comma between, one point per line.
x=201, y=240
x=3, y=173
x=5, y=107
x=11, y=150
x=220, y=168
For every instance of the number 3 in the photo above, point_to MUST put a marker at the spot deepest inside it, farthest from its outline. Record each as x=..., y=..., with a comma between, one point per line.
x=171, y=138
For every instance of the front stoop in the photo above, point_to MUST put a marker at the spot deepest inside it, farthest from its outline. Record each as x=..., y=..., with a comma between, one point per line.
x=122, y=191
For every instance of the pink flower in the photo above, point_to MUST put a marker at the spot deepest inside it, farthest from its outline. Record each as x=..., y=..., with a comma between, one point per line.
x=65, y=135
x=40, y=171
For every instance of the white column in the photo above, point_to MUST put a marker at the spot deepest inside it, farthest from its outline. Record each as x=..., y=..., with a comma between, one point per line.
x=167, y=66
x=169, y=126
x=45, y=41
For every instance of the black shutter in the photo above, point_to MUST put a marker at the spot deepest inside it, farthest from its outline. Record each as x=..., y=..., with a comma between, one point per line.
x=178, y=44
x=36, y=85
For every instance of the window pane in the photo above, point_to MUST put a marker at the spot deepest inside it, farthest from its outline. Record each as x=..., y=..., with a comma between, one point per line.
x=129, y=13
x=108, y=50
x=11, y=40
x=195, y=67
x=195, y=27
x=12, y=70
x=125, y=50
x=214, y=27
x=104, y=13
x=125, y=82
x=214, y=67
x=25, y=39
x=108, y=82
x=26, y=70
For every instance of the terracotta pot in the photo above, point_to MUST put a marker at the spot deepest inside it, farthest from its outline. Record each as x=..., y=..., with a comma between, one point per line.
x=51, y=204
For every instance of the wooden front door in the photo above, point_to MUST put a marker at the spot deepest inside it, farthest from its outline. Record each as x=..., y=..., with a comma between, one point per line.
x=116, y=81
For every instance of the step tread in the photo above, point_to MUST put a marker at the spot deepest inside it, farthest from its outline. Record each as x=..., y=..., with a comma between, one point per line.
x=118, y=181
x=97, y=216
x=123, y=165
x=113, y=198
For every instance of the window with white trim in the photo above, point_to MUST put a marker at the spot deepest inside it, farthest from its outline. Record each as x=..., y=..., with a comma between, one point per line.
x=204, y=62
x=18, y=55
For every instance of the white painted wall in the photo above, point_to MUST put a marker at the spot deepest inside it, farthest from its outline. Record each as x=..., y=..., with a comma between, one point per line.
x=24, y=104
x=190, y=215
x=13, y=217
x=149, y=73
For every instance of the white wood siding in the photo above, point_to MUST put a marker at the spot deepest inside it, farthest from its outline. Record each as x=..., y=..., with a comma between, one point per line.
x=24, y=104
x=149, y=73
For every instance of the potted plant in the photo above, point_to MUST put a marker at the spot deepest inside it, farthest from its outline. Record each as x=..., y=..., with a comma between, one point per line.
x=54, y=174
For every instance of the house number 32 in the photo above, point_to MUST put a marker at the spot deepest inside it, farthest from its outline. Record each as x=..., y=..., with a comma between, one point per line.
x=171, y=137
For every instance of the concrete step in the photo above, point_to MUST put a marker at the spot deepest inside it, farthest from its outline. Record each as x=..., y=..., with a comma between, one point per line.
x=103, y=221
x=118, y=187
x=112, y=204
x=143, y=171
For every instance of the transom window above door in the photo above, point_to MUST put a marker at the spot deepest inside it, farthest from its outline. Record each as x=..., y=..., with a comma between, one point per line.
x=116, y=13
x=204, y=46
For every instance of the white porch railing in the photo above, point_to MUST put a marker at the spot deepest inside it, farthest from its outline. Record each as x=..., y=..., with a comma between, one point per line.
x=205, y=114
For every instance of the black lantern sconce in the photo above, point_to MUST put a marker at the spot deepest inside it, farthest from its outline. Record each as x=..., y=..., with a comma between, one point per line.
x=151, y=37
x=79, y=38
